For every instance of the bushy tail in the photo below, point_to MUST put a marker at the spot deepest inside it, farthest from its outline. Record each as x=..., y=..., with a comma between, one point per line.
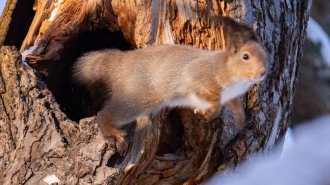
x=90, y=72
x=90, y=68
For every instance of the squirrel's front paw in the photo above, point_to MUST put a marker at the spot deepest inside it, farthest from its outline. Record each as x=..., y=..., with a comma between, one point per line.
x=208, y=114
x=240, y=122
x=199, y=111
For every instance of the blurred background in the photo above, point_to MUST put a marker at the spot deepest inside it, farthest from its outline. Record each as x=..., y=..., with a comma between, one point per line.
x=312, y=94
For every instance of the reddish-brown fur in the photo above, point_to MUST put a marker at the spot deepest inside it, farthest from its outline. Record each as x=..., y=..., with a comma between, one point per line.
x=141, y=82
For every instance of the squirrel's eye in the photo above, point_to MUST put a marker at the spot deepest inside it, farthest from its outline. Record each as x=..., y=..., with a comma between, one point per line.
x=246, y=57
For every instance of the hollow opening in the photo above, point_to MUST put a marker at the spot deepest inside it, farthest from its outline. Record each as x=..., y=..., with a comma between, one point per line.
x=19, y=26
x=74, y=100
x=172, y=131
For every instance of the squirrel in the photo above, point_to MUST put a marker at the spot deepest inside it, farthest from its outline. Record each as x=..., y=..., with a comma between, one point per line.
x=143, y=81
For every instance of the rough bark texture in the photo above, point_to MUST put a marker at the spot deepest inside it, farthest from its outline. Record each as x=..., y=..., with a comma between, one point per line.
x=174, y=147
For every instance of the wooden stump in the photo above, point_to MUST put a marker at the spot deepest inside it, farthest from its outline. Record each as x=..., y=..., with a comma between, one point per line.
x=40, y=135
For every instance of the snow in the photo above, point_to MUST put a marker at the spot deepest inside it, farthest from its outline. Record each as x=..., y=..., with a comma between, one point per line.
x=50, y=179
x=273, y=134
x=317, y=35
x=306, y=162
x=288, y=141
x=26, y=52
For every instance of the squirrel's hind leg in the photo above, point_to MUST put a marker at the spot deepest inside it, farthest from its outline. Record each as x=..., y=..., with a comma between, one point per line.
x=108, y=129
x=110, y=121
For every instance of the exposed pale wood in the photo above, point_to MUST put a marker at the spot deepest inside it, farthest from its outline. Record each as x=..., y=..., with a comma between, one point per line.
x=41, y=140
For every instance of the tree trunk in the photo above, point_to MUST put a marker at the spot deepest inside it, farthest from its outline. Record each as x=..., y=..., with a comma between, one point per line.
x=39, y=137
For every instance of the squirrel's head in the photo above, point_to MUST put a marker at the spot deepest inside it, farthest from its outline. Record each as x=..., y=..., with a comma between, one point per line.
x=249, y=62
x=245, y=57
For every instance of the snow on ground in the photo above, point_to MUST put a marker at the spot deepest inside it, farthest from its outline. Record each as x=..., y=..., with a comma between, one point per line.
x=307, y=162
x=288, y=141
x=51, y=179
x=317, y=35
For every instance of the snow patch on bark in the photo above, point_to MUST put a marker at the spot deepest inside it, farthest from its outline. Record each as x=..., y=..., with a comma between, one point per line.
x=273, y=134
x=26, y=52
x=50, y=179
x=293, y=72
x=54, y=12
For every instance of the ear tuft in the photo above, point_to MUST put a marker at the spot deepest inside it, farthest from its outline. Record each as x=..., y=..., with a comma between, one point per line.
x=230, y=25
x=236, y=34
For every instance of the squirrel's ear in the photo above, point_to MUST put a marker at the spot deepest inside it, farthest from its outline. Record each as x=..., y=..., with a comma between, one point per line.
x=250, y=34
x=236, y=34
x=234, y=42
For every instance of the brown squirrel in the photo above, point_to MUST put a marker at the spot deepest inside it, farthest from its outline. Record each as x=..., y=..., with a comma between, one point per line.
x=142, y=82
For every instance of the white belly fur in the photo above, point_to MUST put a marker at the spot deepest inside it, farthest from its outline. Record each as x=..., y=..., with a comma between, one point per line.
x=235, y=90
x=192, y=100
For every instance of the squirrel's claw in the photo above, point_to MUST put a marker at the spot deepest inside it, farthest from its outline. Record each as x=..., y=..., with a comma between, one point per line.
x=199, y=111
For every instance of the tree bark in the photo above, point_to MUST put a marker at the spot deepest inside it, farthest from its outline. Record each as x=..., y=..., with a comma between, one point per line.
x=174, y=147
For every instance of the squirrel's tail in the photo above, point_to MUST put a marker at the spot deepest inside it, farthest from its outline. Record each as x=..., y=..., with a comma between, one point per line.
x=90, y=68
